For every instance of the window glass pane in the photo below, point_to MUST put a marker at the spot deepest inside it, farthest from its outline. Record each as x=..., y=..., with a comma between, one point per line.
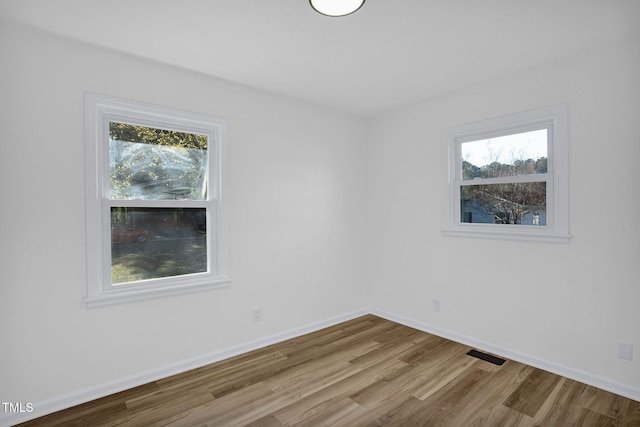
x=517, y=154
x=156, y=164
x=157, y=242
x=514, y=203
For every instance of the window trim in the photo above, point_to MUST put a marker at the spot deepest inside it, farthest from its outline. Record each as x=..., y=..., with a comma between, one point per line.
x=555, y=119
x=99, y=111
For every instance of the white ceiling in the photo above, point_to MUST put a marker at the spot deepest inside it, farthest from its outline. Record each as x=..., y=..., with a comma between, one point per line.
x=389, y=54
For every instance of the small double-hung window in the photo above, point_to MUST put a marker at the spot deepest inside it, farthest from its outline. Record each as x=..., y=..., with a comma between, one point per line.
x=156, y=201
x=507, y=177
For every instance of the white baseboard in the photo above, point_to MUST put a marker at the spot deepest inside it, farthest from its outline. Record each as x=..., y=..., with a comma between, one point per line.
x=82, y=396
x=527, y=359
x=50, y=406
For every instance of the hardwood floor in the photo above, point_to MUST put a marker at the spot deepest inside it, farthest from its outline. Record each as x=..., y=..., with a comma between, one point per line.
x=364, y=372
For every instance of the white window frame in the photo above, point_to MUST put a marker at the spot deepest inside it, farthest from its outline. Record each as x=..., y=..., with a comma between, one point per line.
x=99, y=112
x=554, y=119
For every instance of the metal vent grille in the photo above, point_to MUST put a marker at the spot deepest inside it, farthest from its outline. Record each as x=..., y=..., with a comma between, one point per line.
x=486, y=357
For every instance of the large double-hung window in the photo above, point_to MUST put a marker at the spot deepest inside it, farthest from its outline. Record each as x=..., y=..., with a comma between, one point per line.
x=507, y=177
x=156, y=201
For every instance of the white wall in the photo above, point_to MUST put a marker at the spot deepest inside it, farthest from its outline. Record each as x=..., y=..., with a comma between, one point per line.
x=565, y=305
x=298, y=189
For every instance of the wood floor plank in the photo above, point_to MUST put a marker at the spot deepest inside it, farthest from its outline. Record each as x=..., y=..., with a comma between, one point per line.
x=353, y=330
x=632, y=417
x=153, y=408
x=268, y=421
x=239, y=408
x=448, y=401
x=337, y=412
x=102, y=415
x=298, y=411
x=309, y=382
x=397, y=333
x=230, y=369
x=364, y=372
x=567, y=406
x=442, y=372
x=593, y=419
x=502, y=416
x=221, y=384
x=605, y=403
x=388, y=411
x=532, y=393
x=164, y=396
x=424, y=350
x=302, y=410
x=501, y=383
x=406, y=412
x=386, y=389
x=97, y=412
x=381, y=353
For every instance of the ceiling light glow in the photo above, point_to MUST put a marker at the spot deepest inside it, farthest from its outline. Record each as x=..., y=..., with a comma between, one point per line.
x=336, y=7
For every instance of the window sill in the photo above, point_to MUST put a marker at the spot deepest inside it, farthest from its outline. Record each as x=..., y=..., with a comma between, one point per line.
x=528, y=234
x=118, y=296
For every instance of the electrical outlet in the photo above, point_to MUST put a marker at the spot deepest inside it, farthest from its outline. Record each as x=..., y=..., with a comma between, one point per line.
x=435, y=304
x=257, y=314
x=625, y=351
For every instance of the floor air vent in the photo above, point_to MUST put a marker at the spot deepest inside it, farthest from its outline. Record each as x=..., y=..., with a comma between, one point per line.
x=487, y=357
